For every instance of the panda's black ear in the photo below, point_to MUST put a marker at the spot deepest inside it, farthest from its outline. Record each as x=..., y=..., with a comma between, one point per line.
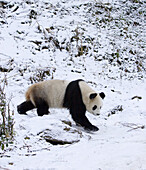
x=102, y=95
x=93, y=95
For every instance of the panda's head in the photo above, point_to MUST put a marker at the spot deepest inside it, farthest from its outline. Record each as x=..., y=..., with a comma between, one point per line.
x=94, y=102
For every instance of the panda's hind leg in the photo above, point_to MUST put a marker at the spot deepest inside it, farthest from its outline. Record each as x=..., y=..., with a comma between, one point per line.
x=42, y=107
x=24, y=107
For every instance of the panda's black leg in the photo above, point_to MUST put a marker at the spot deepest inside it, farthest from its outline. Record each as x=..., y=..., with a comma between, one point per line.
x=24, y=107
x=42, y=110
x=87, y=125
x=42, y=107
x=83, y=121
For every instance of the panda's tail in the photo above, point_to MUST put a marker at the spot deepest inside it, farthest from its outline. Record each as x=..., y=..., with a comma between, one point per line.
x=27, y=94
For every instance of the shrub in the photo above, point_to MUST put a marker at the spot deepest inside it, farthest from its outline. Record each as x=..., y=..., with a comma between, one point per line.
x=6, y=120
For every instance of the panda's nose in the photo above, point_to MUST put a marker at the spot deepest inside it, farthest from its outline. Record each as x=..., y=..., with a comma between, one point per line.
x=97, y=114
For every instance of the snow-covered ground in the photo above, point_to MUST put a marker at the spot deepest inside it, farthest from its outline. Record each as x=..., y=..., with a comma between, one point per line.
x=100, y=42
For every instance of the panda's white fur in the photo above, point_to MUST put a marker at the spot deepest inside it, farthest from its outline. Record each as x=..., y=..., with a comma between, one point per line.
x=53, y=91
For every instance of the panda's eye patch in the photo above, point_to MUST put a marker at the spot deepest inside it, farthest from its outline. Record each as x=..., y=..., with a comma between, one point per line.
x=94, y=108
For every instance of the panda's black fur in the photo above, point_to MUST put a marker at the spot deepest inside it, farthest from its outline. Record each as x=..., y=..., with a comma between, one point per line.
x=73, y=101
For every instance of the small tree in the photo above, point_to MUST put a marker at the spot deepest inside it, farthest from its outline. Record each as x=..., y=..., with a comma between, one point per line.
x=6, y=120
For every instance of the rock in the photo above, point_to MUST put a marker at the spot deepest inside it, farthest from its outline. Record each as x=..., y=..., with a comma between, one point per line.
x=61, y=136
x=116, y=109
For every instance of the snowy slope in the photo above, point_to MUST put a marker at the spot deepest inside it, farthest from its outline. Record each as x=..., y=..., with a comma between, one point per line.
x=100, y=42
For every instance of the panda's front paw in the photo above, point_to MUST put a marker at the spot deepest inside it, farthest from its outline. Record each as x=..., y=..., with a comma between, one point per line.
x=92, y=128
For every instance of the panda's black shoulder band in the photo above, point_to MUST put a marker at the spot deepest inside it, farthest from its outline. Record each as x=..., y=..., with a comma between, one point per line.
x=72, y=94
x=78, y=80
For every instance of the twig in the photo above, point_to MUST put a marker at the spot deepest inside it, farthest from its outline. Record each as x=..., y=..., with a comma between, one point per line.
x=133, y=126
x=140, y=126
x=5, y=55
x=9, y=77
x=43, y=30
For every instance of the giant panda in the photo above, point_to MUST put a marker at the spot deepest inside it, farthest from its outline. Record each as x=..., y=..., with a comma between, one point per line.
x=75, y=95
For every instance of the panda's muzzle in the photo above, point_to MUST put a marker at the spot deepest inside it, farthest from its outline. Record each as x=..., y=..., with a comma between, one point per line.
x=96, y=114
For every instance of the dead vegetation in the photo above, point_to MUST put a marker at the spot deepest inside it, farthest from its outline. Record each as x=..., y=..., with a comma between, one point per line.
x=6, y=119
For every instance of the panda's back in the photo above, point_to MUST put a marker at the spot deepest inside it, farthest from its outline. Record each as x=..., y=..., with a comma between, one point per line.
x=52, y=91
x=55, y=92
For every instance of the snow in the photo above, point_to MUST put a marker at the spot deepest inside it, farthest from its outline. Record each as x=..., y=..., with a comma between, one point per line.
x=113, y=61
